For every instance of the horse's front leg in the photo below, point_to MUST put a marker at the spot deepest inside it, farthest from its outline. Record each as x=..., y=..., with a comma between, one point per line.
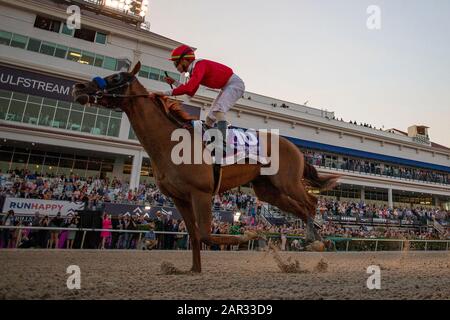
x=185, y=208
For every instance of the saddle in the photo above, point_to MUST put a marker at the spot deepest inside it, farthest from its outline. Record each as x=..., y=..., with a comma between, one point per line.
x=175, y=112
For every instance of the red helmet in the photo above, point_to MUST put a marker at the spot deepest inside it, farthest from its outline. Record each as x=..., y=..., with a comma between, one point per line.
x=181, y=52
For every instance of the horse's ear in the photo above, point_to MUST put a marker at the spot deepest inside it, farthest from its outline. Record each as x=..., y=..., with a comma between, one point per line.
x=136, y=68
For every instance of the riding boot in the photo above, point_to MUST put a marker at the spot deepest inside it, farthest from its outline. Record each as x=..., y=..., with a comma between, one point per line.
x=222, y=126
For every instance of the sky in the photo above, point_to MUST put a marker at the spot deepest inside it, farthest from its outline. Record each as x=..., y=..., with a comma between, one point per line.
x=322, y=51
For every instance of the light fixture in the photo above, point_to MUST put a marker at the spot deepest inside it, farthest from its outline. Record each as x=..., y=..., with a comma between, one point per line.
x=147, y=207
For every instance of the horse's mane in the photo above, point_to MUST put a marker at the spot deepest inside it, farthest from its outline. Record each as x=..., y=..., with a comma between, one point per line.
x=174, y=108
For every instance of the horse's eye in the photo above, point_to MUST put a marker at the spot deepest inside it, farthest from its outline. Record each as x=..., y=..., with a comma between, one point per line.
x=117, y=78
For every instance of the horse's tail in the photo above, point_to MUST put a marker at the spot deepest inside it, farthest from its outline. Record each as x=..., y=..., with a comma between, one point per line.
x=322, y=182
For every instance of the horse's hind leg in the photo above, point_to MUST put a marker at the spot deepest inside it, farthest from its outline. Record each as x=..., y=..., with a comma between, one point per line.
x=266, y=191
x=201, y=204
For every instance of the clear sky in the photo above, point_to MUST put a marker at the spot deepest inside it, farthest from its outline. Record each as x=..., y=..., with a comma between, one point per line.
x=322, y=51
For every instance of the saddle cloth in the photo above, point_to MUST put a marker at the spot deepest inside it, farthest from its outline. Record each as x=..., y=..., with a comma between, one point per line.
x=242, y=146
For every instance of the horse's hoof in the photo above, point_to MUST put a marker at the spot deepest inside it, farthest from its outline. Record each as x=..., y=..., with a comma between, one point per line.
x=317, y=246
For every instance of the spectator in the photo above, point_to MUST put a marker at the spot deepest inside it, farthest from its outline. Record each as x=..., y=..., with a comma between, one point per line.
x=55, y=222
x=43, y=234
x=8, y=221
x=129, y=225
x=106, y=235
x=150, y=241
x=72, y=233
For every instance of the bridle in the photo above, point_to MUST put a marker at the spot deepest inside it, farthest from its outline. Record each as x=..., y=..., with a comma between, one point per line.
x=108, y=93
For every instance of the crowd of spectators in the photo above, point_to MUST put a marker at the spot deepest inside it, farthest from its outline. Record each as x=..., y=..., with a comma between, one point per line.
x=373, y=167
x=24, y=184
x=284, y=235
x=332, y=207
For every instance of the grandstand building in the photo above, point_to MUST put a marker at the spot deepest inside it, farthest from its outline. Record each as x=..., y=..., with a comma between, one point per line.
x=42, y=129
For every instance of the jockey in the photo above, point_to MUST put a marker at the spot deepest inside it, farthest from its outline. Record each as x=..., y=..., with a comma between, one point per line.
x=212, y=75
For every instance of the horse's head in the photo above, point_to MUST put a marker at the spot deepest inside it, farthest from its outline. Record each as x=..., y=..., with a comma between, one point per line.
x=110, y=92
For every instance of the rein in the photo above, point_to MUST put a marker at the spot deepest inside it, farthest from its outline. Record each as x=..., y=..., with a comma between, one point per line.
x=107, y=93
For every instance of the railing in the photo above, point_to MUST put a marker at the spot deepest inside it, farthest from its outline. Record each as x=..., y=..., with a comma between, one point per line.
x=341, y=244
x=439, y=228
x=374, y=221
x=264, y=220
x=363, y=244
x=382, y=175
x=85, y=230
x=394, y=244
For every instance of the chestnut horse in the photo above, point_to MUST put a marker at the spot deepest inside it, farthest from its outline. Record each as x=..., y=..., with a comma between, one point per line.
x=191, y=186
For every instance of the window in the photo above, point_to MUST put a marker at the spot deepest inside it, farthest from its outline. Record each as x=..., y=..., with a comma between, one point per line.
x=101, y=125
x=66, y=163
x=75, y=121
x=34, y=45
x=61, y=51
x=154, y=74
x=87, y=58
x=19, y=160
x=32, y=113
x=48, y=48
x=47, y=24
x=88, y=123
x=5, y=94
x=144, y=72
x=85, y=34
x=16, y=110
x=60, y=119
x=132, y=135
x=116, y=114
x=174, y=75
x=114, y=127
x=46, y=117
x=35, y=99
x=162, y=75
x=110, y=63
x=100, y=38
x=77, y=107
x=64, y=104
x=4, y=103
x=5, y=37
x=49, y=102
x=104, y=112
x=74, y=55
x=19, y=41
x=99, y=61
x=65, y=30
x=19, y=96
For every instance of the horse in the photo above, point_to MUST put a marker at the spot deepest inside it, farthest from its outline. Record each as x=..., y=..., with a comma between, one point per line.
x=191, y=186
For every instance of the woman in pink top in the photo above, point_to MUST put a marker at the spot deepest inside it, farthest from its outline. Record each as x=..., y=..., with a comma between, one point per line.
x=106, y=235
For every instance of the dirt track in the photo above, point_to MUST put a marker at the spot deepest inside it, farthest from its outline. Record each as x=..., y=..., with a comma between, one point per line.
x=41, y=274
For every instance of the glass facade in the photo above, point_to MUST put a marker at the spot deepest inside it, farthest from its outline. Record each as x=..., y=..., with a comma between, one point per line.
x=157, y=74
x=46, y=112
x=132, y=134
x=52, y=164
x=77, y=55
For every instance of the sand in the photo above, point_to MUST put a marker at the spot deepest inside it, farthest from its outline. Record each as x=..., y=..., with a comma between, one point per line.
x=41, y=274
